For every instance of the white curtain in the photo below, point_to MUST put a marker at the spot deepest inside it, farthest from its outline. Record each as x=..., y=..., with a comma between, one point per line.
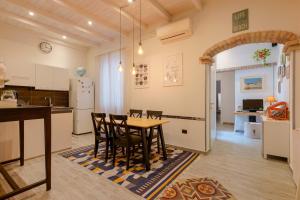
x=110, y=85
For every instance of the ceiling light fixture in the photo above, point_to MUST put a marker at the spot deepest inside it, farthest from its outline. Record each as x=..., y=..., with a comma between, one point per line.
x=31, y=13
x=120, y=64
x=140, y=49
x=64, y=37
x=90, y=23
x=130, y=1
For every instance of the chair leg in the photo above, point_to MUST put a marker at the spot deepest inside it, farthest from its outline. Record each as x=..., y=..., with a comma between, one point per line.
x=158, y=144
x=106, y=150
x=114, y=154
x=96, y=147
x=123, y=151
x=133, y=150
x=128, y=157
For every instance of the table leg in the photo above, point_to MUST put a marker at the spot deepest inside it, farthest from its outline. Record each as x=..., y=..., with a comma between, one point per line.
x=162, y=139
x=47, y=127
x=145, y=149
x=21, y=138
x=150, y=141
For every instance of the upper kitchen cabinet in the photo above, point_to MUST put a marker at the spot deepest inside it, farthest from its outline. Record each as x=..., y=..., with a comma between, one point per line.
x=51, y=78
x=43, y=77
x=60, y=79
x=21, y=75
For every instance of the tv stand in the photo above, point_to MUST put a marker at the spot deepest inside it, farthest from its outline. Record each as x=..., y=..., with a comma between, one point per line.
x=244, y=116
x=252, y=118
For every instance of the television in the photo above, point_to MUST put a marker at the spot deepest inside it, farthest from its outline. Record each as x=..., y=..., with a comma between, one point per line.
x=253, y=104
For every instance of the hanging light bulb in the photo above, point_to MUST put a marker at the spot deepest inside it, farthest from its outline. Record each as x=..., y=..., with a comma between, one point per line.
x=133, y=71
x=140, y=49
x=120, y=67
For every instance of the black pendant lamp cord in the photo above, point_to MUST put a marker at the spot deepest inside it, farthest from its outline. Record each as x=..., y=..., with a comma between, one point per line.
x=140, y=22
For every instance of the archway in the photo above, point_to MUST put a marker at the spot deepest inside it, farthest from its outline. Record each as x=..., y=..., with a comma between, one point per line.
x=291, y=42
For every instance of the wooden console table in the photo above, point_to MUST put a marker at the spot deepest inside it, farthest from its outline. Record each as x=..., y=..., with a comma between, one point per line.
x=21, y=114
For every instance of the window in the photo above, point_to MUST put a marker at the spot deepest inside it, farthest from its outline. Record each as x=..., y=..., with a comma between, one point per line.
x=110, y=85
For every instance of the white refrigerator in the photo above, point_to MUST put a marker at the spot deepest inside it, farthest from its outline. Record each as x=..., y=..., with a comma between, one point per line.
x=82, y=101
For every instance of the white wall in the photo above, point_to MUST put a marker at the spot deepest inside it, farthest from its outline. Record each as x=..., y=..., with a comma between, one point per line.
x=211, y=25
x=285, y=83
x=20, y=47
x=266, y=73
x=227, y=95
x=243, y=56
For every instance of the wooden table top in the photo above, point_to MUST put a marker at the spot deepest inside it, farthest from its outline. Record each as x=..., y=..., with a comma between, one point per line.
x=144, y=122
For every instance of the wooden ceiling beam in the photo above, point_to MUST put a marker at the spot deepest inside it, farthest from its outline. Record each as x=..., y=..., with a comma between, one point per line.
x=61, y=20
x=128, y=16
x=160, y=9
x=88, y=15
x=39, y=25
x=198, y=4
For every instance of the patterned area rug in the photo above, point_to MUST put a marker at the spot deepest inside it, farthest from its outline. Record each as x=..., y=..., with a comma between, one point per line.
x=136, y=179
x=196, y=189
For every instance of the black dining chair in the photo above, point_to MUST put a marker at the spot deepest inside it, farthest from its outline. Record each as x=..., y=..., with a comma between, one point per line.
x=135, y=113
x=101, y=133
x=122, y=137
x=151, y=114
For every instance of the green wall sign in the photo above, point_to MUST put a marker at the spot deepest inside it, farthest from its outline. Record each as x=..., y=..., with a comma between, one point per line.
x=240, y=21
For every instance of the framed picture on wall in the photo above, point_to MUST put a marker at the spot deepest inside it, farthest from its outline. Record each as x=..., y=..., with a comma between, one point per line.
x=173, y=70
x=253, y=83
x=141, y=79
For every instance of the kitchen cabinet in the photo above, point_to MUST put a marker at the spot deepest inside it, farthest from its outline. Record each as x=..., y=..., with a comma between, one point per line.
x=43, y=77
x=51, y=78
x=21, y=75
x=60, y=79
x=276, y=137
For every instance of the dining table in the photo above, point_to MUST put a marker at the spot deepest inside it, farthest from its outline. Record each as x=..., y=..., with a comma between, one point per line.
x=20, y=114
x=144, y=124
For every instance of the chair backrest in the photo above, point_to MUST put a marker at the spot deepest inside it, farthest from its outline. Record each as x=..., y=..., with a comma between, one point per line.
x=118, y=126
x=99, y=123
x=135, y=113
x=151, y=114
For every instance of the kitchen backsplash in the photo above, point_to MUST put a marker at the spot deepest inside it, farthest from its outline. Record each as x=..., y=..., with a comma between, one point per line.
x=31, y=96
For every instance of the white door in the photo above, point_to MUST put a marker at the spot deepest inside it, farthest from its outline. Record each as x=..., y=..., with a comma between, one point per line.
x=213, y=104
x=82, y=121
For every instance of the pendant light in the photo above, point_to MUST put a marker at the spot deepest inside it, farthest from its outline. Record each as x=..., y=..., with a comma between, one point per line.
x=133, y=64
x=120, y=64
x=140, y=49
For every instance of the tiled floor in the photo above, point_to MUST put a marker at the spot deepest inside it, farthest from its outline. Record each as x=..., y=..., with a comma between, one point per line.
x=235, y=161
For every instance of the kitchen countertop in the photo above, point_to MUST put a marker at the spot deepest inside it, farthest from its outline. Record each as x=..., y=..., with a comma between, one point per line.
x=57, y=110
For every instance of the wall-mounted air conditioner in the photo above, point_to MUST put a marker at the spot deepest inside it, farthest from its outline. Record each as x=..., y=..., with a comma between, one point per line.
x=181, y=29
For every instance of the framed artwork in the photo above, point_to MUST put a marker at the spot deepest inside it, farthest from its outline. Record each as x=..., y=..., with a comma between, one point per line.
x=173, y=70
x=253, y=83
x=141, y=79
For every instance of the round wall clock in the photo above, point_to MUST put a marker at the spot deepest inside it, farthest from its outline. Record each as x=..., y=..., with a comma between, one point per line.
x=45, y=47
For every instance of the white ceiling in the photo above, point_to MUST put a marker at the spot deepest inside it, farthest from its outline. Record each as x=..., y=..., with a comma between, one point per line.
x=70, y=17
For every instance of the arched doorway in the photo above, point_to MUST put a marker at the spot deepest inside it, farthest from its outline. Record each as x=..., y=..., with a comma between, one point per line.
x=290, y=41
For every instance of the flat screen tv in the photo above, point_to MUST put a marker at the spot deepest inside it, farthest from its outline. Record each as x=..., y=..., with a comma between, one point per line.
x=253, y=104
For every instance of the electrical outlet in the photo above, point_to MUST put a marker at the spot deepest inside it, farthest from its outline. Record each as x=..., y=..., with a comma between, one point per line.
x=184, y=131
